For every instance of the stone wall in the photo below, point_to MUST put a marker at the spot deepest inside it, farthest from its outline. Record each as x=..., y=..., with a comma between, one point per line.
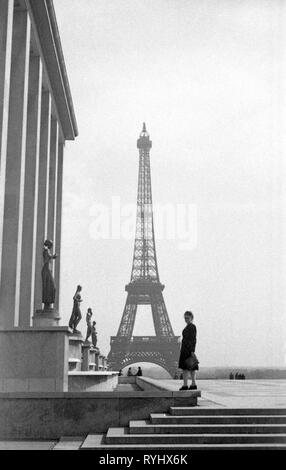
x=34, y=359
x=52, y=415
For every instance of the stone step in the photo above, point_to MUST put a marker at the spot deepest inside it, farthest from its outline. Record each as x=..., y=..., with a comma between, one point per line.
x=197, y=411
x=122, y=436
x=98, y=442
x=164, y=418
x=69, y=443
x=144, y=427
x=27, y=445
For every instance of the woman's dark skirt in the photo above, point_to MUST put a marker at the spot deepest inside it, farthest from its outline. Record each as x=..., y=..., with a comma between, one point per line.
x=183, y=356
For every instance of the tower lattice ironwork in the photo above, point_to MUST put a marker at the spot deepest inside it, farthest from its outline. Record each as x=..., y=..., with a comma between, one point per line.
x=144, y=287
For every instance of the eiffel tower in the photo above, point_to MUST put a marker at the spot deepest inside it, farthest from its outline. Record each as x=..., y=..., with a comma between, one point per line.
x=144, y=287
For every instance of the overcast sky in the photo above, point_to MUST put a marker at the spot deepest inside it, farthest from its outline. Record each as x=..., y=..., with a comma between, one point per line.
x=208, y=77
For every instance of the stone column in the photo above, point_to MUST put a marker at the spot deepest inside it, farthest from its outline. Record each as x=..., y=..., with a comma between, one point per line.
x=6, y=26
x=15, y=172
x=59, y=222
x=52, y=203
x=49, y=317
x=30, y=192
x=42, y=194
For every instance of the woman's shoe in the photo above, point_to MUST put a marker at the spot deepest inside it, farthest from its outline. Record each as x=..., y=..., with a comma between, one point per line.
x=193, y=387
x=184, y=387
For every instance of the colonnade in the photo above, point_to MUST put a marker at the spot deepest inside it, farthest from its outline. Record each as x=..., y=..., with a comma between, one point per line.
x=32, y=140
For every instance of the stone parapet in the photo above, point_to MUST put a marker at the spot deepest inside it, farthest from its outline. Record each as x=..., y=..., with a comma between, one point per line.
x=34, y=359
x=52, y=415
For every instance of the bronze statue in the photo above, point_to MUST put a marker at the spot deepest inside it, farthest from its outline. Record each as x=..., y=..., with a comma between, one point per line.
x=48, y=283
x=93, y=334
x=76, y=313
x=88, y=322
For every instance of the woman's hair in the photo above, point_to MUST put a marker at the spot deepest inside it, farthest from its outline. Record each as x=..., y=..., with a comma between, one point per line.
x=48, y=243
x=78, y=287
x=189, y=314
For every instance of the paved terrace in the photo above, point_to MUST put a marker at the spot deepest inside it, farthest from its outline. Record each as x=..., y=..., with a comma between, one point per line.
x=239, y=393
x=226, y=393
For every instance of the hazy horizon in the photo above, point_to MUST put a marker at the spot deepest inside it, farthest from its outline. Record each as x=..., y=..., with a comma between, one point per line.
x=208, y=77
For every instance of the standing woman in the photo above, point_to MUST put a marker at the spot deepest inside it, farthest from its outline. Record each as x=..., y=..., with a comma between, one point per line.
x=188, y=351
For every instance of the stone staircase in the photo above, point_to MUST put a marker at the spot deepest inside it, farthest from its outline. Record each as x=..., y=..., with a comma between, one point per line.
x=198, y=428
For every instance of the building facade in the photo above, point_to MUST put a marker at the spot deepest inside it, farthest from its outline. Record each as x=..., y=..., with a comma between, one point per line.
x=36, y=119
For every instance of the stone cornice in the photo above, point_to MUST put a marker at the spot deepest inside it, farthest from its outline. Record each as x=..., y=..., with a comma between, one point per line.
x=45, y=24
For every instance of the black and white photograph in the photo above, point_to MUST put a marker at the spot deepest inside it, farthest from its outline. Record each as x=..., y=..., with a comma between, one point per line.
x=143, y=229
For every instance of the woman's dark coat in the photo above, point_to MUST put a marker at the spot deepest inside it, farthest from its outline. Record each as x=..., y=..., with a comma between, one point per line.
x=188, y=345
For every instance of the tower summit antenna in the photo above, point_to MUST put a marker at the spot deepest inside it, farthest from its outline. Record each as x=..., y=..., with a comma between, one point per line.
x=144, y=139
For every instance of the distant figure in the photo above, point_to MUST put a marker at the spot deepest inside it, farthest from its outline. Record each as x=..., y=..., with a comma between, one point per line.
x=129, y=372
x=236, y=375
x=48, y=283
x=120, y=373
x=176, y=376
x=139, y=372
x=231, y=376
x=188, y=361
x=76, y=313
x=88, y=322
x=243, y=376
x=94, y=334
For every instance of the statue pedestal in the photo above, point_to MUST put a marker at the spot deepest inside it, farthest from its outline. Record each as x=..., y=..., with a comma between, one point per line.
x=34, y=359
x=102, y=362
x=93, y=364
x=85, y=355
x=89, y=361
x=75, y=351
x=46, y=318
